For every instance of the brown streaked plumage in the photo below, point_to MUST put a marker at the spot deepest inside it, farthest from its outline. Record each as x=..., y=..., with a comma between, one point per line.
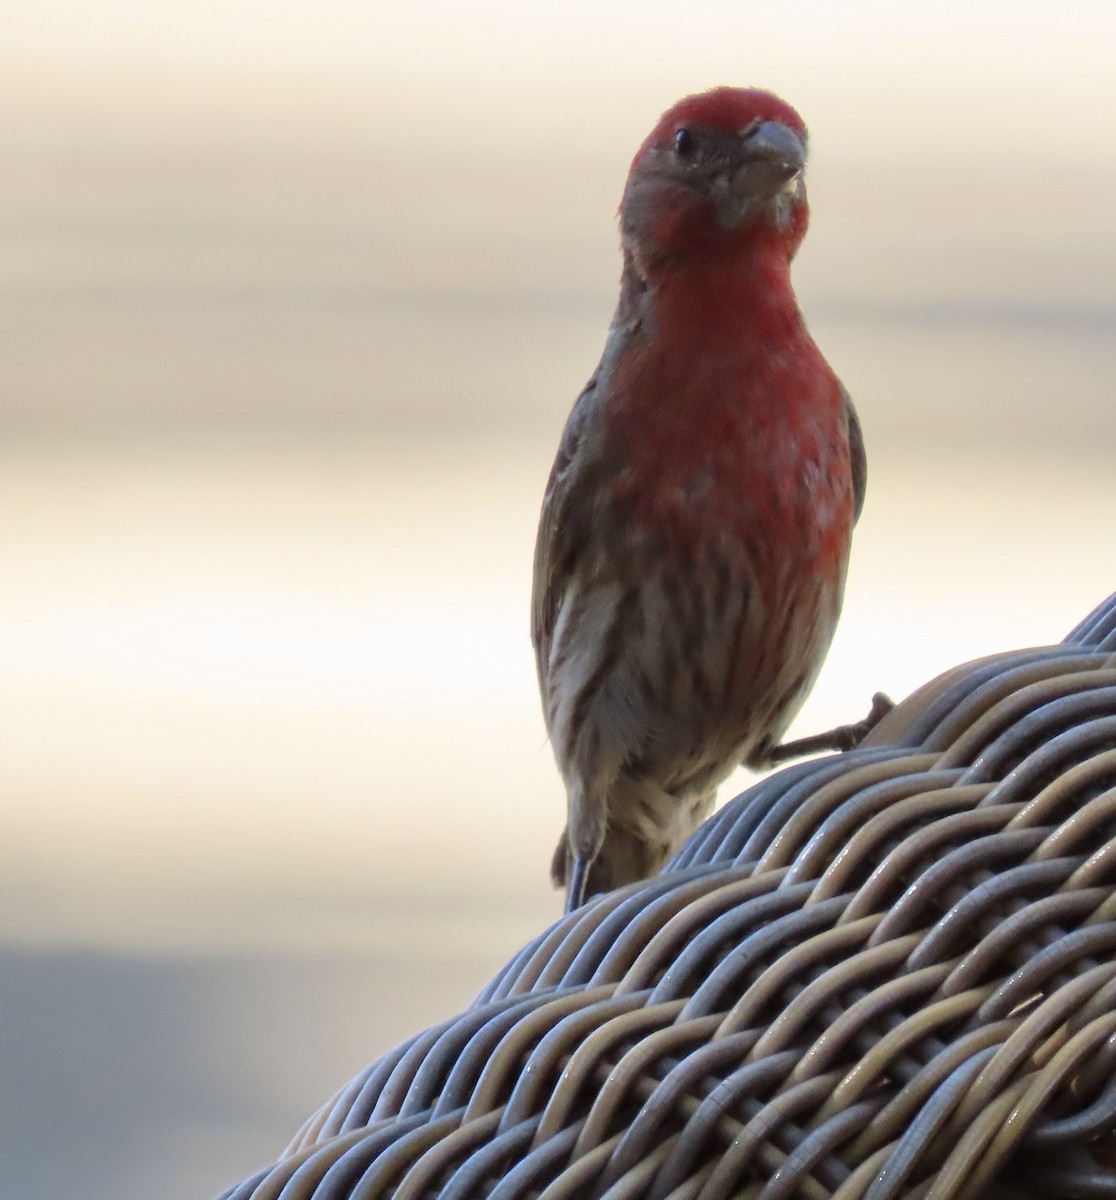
x=695, y=530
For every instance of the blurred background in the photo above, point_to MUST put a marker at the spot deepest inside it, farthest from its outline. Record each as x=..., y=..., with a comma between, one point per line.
x=294, y=300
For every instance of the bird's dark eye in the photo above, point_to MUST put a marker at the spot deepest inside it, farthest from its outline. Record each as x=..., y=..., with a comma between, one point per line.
x=684, y=143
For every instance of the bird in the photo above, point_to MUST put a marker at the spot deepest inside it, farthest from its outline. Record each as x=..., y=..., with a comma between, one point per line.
x=695, y=530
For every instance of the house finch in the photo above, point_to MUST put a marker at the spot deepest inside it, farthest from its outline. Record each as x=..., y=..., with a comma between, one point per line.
x=695, y=530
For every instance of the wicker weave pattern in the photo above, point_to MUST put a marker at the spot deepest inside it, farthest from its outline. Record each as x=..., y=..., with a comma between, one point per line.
x=888, y=973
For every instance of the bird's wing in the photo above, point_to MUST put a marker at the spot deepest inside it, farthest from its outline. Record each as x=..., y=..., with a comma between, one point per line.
x=857, y=457
x=556, y=547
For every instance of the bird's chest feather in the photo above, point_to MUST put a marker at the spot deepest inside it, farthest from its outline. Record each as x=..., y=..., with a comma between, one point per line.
x=733, y=440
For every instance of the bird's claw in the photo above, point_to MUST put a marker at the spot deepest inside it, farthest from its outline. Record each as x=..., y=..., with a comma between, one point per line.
x=848, y=737
x=844, y=737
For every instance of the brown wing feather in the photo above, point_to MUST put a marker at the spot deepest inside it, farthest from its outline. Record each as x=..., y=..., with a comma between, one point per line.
x=554, y=546
x=857, y=457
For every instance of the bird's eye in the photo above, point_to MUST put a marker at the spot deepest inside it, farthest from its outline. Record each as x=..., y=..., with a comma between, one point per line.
x=684, y=143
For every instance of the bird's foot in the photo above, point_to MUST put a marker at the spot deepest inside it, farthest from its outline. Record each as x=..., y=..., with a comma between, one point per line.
x=844, y=737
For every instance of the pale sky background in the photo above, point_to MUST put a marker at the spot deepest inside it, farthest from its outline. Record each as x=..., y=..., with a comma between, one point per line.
x=293, y=302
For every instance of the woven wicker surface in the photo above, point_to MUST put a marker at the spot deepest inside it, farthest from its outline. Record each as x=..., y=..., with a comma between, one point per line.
x=887, y=973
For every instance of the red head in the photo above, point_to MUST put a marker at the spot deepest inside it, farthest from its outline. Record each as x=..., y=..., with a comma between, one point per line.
x=721, y=169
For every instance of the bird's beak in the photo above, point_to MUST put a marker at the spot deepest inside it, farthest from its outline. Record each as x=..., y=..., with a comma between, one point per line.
x=772, y=158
